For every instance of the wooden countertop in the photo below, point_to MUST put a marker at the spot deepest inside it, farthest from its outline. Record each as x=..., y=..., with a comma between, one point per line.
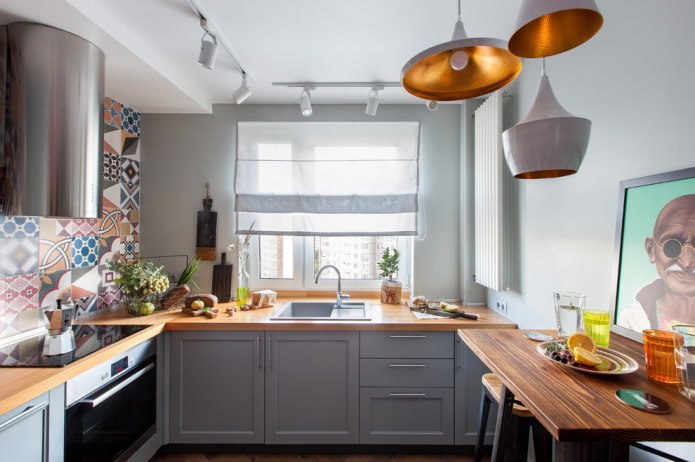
x=582, y=407
x=18, y=385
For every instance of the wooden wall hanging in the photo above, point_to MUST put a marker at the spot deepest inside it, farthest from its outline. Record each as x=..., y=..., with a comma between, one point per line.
x=206, y=235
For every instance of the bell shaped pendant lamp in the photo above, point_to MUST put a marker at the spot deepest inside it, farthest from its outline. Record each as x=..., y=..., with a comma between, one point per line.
x=548, y=142
x=548, y=27
x=461, y=68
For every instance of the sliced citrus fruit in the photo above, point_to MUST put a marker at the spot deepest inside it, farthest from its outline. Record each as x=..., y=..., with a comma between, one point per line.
x=581, y=340
x=586, y=357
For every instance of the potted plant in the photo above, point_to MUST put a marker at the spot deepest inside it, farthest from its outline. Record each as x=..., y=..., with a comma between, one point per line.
x=141, y=282
x=390, y=288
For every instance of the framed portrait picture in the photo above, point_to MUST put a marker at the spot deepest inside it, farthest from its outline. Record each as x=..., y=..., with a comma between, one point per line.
x=655, y=257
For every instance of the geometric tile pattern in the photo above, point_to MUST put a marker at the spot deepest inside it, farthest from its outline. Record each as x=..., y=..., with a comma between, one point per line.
x=55, y=253
x=112, y=166
x=19, y=293
x=46, y=259
x=130, y=247
x=19, y=226
x=54, y=285
x=110, y=220
x=77, y=227
x=19, y=256
x=130, y=171
x=121, y=117
x=130, y=196
x=85, y=251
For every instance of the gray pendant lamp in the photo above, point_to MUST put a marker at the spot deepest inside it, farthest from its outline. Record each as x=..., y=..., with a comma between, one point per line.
x=461, y=68
x=548, y=142
x=548, y=27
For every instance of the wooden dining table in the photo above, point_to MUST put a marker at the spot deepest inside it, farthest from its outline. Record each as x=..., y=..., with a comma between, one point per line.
x=579, y=409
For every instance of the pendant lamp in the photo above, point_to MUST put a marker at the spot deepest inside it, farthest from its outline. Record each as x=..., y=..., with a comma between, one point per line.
x=548, y=27
x=461, y=68
x=548, y=142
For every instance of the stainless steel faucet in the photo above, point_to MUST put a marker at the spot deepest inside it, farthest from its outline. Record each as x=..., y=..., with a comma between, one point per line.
x=339, y=295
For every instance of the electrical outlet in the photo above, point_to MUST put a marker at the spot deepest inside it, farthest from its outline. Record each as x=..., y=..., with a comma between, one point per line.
x=502, y=306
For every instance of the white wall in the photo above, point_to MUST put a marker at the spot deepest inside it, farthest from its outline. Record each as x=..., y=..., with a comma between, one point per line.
x=634, y=81
x=181, y=152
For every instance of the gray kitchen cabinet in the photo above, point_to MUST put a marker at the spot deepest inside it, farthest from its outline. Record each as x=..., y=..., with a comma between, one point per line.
x=468, y=378
x=34, y=431
x=312, y=387
x=216, y=387
x=407, y=387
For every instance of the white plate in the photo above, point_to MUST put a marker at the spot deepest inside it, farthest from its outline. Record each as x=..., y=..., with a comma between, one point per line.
x=614, y=362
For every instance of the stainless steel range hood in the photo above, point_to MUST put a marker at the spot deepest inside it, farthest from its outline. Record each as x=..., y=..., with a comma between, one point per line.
x=53, y=122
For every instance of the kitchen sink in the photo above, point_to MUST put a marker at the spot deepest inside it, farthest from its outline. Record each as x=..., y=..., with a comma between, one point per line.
x=348, y=311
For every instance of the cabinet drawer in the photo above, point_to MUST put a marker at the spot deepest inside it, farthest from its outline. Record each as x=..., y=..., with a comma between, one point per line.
x=407, y=344
x=411, y=372
x=406, y=415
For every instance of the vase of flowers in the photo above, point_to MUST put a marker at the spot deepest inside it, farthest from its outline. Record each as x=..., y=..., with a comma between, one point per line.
x=390, y=288
x=141, y=283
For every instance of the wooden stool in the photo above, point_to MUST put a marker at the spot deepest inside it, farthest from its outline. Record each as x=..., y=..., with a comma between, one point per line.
x=522, y=422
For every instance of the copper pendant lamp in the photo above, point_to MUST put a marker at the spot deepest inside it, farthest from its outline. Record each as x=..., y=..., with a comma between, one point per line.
x=549, y=27
x=461, y=68
x=548, y=142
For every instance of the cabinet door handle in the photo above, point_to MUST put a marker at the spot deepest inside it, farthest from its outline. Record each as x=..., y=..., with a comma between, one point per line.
x=407, y=394
x=407, y=336
x=407, y=365
x=30, y=410
x=459, y=360
x=268, y=357
x=259, y=356
x=112, y=391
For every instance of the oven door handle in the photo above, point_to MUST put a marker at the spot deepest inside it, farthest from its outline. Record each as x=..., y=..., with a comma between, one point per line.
x=94, y=402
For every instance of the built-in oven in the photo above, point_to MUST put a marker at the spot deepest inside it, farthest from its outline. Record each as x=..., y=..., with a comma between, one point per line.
x=111, y=408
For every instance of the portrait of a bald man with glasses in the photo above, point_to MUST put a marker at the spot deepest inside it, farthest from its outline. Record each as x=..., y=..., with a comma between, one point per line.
x=670, y=299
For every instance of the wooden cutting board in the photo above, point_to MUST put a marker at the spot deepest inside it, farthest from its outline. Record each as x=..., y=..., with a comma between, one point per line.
x=222, y=280
x=206, y=230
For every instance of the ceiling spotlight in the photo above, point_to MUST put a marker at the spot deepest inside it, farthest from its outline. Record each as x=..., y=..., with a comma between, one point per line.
x=243, y=91
x=305, y=102
x=432, y=105
x=208, y=48
x=461, y=68
x=373, y=100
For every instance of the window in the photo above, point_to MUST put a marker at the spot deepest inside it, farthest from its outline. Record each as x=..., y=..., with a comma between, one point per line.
x=326, y=193
x=355, y=256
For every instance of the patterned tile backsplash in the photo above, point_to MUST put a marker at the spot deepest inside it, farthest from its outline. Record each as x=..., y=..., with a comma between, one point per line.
x=45, y=259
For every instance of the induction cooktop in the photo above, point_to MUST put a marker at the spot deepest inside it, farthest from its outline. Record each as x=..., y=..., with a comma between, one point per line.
x=89, y=338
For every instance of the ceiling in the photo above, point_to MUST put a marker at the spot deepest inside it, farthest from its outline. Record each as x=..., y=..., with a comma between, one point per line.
x=151, y=46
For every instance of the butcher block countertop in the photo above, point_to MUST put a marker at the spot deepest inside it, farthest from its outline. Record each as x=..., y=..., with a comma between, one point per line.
x=20, y=384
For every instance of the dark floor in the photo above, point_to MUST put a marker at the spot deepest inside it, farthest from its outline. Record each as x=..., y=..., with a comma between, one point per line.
x=169, y=454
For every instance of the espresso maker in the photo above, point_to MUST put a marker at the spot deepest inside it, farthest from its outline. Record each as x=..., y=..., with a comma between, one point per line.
x=60, y=339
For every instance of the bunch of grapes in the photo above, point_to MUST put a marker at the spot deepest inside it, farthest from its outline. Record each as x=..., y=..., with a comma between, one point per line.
x=564, y=356
x=156, y=285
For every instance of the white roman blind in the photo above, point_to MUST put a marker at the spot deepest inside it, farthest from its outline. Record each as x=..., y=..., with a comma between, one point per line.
x=327, y=178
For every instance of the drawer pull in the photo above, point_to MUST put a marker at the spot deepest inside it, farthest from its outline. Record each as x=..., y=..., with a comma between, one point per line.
x=407, y=336
x=30, y=410
x=407, y=365
x=407, y=394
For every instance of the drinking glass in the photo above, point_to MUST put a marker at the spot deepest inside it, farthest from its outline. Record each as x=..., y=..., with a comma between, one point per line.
x=659, y=355
x=597, y=325
x=568, y=312
x=684, y=352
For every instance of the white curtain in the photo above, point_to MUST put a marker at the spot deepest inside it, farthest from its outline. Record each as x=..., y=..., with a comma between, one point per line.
x=327, y=178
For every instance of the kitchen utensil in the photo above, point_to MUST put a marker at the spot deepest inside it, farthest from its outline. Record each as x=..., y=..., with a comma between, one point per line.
x=222, y=280
x=206, y=231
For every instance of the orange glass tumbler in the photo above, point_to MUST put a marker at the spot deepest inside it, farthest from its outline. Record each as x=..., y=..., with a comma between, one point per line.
x=659, y=355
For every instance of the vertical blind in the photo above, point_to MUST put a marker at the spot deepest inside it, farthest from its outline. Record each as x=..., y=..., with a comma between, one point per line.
x=327, y=178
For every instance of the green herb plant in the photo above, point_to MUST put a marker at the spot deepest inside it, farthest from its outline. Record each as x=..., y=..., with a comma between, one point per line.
x=139, y=277
x=188, y=272
x=389, y=263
